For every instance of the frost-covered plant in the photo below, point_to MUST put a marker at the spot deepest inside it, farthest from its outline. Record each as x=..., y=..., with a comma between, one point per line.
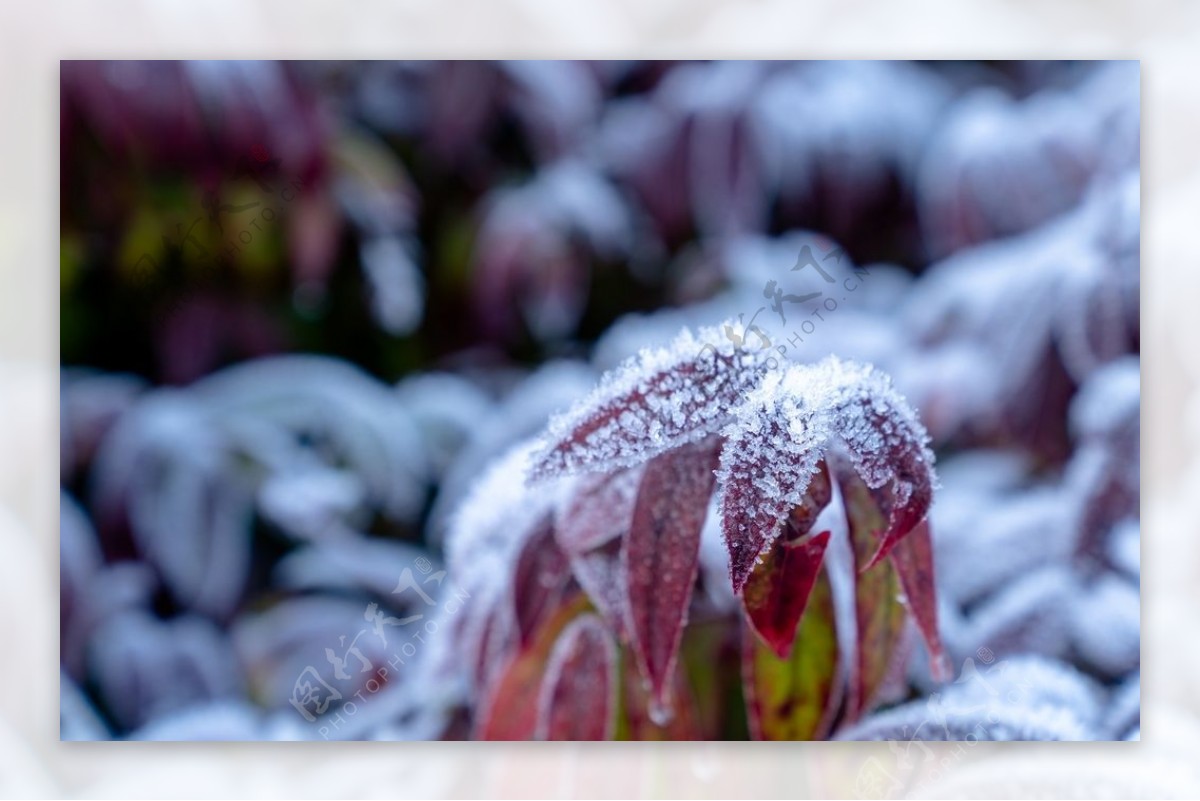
x=312, y=446
x=586, y=622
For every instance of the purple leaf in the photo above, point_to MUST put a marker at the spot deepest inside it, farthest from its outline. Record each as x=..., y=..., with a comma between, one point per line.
x=541, y=579
x=785, y=428
x=778, y=588
x=759, y=484
x=602, y=576
x=599, y=510
x=661, y=559
x=590, y=527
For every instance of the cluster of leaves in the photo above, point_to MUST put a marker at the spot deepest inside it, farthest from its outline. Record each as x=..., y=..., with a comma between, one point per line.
x=593, y=603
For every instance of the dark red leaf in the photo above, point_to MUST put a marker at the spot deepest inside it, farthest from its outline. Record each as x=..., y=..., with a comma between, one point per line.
x=540, y=580
x=904, y=517
x=795, y=697
x=750, y=513
x=590, y=527
x=779, y=587
x=913, y=560
x=661, y=559
x=578, y=694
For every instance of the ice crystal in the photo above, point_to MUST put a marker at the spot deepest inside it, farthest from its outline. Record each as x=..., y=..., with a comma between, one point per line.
x=664, y=398
x=788, y=424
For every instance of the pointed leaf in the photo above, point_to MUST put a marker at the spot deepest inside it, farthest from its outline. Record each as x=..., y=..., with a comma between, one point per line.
x=657, y=401
x=661, y=559
x=766, y=469
x=878, y=613
x=912, y=559
x=541, y=579
x=578, y=694
x=779, y=588
x=796, y=697
x=636, y=723
x=510, y=710
x=783, y=430
x=589, y=526
x=883, y=438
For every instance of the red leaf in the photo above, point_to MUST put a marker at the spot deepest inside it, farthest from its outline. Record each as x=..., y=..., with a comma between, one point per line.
x=913, y=560
x=495, y=638
x=599, y=509
x=578, y=694
x=590, y=527
x=887, y=445
x=795, y=697
x=510, y=710
x=751, y=514
x=656, y=402
x=661, y=559
x=879, y=615
x=540, y=579
x=904, y=518
x=779, y=587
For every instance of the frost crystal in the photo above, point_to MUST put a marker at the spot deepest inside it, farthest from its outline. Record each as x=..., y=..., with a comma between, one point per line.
x=777, y=425
x=661, y=399
x=786, y=427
